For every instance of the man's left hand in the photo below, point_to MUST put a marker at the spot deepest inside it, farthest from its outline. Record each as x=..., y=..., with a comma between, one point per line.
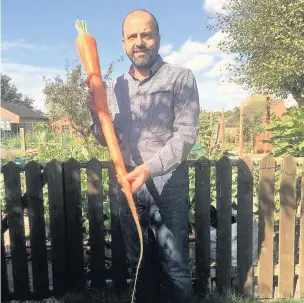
x=138, y=177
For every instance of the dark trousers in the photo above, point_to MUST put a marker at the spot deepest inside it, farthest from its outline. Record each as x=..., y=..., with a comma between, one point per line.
x=162, y=206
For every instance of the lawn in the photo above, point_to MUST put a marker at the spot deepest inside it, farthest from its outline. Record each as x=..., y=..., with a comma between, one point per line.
x=110, y=296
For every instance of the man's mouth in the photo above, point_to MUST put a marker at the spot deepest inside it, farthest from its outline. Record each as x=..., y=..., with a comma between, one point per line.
x=139, y=51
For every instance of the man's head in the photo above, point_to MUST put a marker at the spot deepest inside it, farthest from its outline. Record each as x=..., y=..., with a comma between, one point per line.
x=141, y=38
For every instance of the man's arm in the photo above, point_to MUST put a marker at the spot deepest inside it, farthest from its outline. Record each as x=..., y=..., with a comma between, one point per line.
x=186, y=124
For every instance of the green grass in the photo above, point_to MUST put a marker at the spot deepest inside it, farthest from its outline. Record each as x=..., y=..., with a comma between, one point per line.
x=111, y=296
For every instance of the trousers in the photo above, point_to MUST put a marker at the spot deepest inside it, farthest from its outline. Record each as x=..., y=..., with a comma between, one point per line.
x=162, y=204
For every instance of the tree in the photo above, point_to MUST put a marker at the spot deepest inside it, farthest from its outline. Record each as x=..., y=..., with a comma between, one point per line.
x=67, y=97
x=266, y=39
x=288, y=133
x=10, y=94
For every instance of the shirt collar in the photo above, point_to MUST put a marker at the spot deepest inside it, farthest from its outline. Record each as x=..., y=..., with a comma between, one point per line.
x=153, y=70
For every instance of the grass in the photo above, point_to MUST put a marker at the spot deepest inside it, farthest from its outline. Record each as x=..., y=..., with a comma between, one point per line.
x=111, y=296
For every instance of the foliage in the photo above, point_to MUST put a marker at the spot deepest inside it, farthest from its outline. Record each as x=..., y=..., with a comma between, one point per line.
x=67, y=98
x=266, y=40
x=288, y=133
x=9, y=93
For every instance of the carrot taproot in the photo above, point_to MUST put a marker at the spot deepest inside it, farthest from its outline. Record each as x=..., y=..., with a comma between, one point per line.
x=87, y=49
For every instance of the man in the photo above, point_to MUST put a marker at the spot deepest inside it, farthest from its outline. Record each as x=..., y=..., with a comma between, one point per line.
x=155, y=111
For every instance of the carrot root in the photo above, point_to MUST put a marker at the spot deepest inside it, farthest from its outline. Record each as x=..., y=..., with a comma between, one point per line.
x=87, y=49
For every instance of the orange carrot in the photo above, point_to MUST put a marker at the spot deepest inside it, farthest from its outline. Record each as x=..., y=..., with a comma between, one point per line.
x=87, y=48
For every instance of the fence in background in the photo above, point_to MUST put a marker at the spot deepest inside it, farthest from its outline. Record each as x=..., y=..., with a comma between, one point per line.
x=63, y=268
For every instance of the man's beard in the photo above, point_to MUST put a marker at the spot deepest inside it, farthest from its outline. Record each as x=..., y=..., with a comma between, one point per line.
x=147, y=60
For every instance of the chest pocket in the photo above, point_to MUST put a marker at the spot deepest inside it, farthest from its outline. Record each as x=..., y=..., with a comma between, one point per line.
x=160, y=110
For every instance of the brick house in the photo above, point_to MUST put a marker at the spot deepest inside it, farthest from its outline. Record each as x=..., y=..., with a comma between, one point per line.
x=14, y=116
x=62, y=125
x=255, y=106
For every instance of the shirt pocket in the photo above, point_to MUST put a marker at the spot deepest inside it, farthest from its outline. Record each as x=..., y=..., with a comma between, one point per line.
x=161, y=111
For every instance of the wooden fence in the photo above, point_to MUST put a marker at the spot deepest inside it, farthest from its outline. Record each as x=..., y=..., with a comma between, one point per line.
x=67, y=269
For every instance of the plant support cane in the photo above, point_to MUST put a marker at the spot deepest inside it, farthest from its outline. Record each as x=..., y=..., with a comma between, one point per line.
x=87, y=48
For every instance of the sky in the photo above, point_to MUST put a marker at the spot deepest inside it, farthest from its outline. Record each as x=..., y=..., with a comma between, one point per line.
x=38, y=39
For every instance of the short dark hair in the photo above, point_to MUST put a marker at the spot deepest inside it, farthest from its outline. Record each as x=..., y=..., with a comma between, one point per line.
x=142, y=10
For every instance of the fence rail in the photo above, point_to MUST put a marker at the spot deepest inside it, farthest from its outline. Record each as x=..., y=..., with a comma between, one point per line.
x=67, y=262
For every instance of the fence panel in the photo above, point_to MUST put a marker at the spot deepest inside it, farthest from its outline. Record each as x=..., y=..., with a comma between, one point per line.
x=202, y=223
x=287, y=227
x=223, y=203
x=96, y=223
x=245, y=226
x=37, y=229
x=54, y=173
x=73, y=221
x=15, y=217
x=266, y=227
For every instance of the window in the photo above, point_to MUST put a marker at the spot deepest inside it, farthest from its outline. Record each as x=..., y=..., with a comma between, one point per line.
x=65, y=128
x=5, y=125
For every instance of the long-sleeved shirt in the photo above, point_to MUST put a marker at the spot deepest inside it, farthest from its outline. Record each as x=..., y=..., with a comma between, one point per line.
x=156, y=120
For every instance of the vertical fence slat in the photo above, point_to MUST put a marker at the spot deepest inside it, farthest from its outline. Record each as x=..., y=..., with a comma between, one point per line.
x=287, y=227
x=4, y=280
x=266, y=227
x=74, y=239
x=96, y=224
x=202, y=224
x=119, y=269
x=54, y=178
x=245, y=226
x=15, y=216
x=37, y=229
x=223, y=203
x=301, y=241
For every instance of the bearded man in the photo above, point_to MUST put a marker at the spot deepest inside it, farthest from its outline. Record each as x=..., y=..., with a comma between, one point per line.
x=155, y=111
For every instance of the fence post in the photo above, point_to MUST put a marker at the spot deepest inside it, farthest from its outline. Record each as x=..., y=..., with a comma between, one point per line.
x=15, y=216
x=287, y=227
x=266, y=227
x=54, y=173
x=96, y=223
x=223, y=204
x=22, y=139
x=202, y=224
x=73, y=222
x=301, y=241
x=35, y=207
x=119, y=268
x=245, y=226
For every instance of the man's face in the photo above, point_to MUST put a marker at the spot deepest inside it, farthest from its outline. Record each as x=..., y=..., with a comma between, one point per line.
x=140, y=41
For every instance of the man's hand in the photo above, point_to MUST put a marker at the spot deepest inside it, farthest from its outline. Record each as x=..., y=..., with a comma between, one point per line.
x=138, y=177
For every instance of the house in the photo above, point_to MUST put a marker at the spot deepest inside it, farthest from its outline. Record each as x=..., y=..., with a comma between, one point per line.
x=255, y=106
x=14, y=116
x=62, y=125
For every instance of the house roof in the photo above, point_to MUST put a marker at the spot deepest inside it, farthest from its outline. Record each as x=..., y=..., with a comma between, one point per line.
x=22, y=111
x=252, y=107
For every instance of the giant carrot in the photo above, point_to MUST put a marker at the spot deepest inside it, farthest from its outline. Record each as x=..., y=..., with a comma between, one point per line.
x=87, y=48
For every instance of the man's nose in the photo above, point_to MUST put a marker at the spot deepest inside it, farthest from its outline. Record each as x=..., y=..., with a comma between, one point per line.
x=138, y=40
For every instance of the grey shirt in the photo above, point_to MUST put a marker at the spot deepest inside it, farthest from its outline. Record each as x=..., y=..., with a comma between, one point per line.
x=156, y=120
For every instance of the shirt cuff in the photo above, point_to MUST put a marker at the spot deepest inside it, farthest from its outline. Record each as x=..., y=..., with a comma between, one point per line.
x=155, y=167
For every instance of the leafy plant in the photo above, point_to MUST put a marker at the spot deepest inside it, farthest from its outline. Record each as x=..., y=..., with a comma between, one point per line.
x=288, y=133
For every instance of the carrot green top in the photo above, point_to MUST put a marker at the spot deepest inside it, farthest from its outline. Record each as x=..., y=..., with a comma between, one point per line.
x=81, y=27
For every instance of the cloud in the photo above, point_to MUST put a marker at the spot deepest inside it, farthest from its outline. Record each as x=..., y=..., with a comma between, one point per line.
x=29, y=79
x=6, y=45
x=209, y=65
x=165, y=49
x=215, y=6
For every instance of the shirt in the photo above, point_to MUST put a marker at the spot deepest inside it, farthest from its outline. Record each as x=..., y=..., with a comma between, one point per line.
x=156, y=120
